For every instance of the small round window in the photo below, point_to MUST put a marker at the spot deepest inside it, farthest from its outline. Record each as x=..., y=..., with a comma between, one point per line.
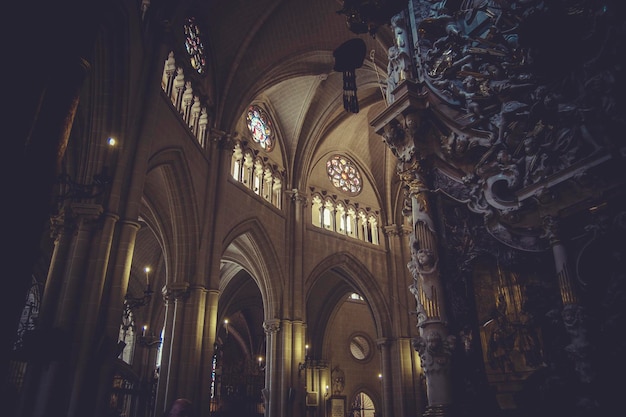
x=260, y=127
x=343, y=174
x=360, y=347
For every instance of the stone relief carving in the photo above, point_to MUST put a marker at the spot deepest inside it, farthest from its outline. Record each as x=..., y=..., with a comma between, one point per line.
x=435, y=352
x=338, y=379
x=399, y=66
x=515, y=111
x=492, y=78
x=397, y=139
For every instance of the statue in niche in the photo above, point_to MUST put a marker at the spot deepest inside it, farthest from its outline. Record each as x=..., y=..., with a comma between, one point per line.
x=338, y=380
x=399, y=58
x=393, y=71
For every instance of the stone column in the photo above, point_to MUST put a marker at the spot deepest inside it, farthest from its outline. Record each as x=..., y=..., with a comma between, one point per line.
x=175, y=295
x=149, y=345
x=388, y=376
x=271, y=392
x=405, y=363
x=294, y=398
x=208, y=347
x=287, y=365
x=118, y=275
x=71, y=338
x=92, y=351
x=41, y=129
x=190, y=359
x=63, y=229
x=296, y=302
x=160, y=404
x=433, y=344
x=573, y=314
x=402, y=128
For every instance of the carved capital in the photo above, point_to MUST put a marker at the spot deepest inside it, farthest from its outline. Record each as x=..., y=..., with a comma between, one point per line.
x=413, y=178
x=61, y=222
x=398, y=140
x=297, y=196
x=176, y=291
x=86, y=211
x=383, y=342
x=435, y=352
x=271, y=326
x=223, y=140
x=396, y=230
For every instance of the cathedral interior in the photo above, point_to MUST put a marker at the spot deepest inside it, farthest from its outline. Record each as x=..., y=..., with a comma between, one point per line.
x=295, y=208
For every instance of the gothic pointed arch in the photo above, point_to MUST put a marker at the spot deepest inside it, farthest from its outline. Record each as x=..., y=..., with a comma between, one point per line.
x=247, y=247
x=169, y=187
x=335, y=277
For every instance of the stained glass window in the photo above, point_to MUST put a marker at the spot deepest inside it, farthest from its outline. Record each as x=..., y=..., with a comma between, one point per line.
x=195, y=46
x=260, y=126
x=343, y=174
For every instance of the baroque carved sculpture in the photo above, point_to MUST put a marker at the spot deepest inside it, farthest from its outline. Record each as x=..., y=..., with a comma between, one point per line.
x=514, y=110
x=435, y=352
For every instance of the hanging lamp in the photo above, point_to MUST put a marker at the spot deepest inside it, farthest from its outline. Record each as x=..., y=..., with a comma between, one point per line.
x=348, y=57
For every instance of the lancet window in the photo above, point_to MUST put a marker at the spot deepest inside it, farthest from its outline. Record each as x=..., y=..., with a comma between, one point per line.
x=329, y=213
x=257, y=174
x=186, y=99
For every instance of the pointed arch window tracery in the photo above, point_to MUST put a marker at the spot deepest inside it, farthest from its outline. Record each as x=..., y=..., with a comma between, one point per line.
x=257, y=174
x=344, y=217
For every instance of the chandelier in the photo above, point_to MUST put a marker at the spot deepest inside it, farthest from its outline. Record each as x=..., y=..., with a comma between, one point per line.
x=366, y=16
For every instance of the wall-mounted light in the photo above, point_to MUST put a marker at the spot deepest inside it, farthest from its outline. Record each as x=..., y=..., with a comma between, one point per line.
x=136, y=302
x=148, y=340
x=326, y=394
x=147, y=271
x=71, y=188
x=261, y=363
x=226, y=325
x=132, y=303
x=303, y=365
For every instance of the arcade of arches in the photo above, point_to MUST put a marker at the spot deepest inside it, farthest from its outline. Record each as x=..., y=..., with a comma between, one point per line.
x=329, y=208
